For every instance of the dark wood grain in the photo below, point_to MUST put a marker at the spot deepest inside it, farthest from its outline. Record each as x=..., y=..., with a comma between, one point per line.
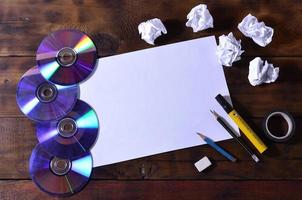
x=168, y=190
x=18, y=139
x=245, y=96
x=30, y=21
x=113, y=27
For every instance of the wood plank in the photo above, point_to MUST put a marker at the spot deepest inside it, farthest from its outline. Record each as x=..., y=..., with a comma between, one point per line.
x=113, y=27
x=13, y=68
x=250, y=101
x=17, y=140
x=282, y=161
x=258, y=101
x=235, y=190
x=22, y=27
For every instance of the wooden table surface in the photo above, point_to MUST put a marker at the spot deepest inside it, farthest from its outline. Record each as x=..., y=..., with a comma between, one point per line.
x=113, y=26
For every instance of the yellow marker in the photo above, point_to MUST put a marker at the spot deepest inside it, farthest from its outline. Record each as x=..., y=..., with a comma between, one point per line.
x=244, y=127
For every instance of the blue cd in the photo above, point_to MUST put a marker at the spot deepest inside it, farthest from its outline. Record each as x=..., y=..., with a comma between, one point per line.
x=66, y=57
x=43, y=101
x=72, y=135
x=58, y=176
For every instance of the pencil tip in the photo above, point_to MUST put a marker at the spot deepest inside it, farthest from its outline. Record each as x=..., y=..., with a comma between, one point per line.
x=214, y=113
x=202, y=136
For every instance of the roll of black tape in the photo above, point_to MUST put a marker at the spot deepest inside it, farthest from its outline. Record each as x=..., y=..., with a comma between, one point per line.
x=279, y=135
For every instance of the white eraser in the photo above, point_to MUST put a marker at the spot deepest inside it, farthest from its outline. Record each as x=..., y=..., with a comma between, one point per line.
x=202, y=164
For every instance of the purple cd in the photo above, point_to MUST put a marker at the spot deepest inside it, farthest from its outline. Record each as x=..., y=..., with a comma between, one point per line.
x=73, y=134
x=66, y=57
x=43, y=101
x=58, y=176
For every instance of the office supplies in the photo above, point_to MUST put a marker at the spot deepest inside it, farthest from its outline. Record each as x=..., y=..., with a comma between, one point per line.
x=57, y=176
x=274, y=126
x=258, y=31
x=199, y=18
x=151, y=29
x=72, y=135
x=202, y=164
x=244, y=127
x=66, y=57
x=234, y=135
x=217, y=148
x=261, y=71
x=228, y=50
x=40, y=100
x=149, y=101
x=61, y=164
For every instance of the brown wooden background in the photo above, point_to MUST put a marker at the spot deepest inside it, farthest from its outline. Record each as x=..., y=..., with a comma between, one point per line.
x=113, y=26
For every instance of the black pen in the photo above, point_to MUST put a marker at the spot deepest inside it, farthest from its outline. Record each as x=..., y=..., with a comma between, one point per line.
x=225, y=126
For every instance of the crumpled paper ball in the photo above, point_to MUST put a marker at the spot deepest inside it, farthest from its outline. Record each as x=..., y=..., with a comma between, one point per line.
x=262, y=72
x=228, y=50
x=151, y=29
x=258, y=31
x=199, y=18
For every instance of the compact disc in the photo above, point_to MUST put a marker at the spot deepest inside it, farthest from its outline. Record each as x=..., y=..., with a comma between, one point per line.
x=71, y=135
x=43, y=101
x=58, y=176
x=66, y=57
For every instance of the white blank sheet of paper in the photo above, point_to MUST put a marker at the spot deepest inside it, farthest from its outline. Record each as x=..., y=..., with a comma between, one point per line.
x=155, y=100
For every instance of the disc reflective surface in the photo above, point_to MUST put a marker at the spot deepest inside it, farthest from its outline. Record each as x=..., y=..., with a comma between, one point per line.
x=66, y=57
x=72, y=135
x=57, y=176
x=43, y=101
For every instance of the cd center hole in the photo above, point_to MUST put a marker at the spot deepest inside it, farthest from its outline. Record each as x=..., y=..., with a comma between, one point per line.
x=47, y=92
x=68, y=127
x=61, y=164
x=277, y=125
x=66, y=56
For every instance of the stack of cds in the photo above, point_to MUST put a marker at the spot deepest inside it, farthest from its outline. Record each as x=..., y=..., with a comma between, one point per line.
x=66, y=127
